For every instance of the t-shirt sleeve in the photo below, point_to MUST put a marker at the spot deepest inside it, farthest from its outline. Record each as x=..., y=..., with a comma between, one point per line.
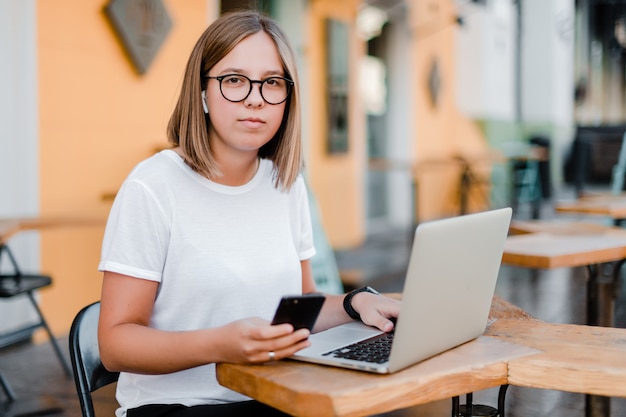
x=305, y=246
x=136, y=235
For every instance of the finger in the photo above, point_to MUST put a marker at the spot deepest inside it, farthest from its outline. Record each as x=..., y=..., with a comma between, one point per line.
x=286, y=345
x=267, y=331
x=283, y=342
x=386, y=325
x=298, y=336
x=382, y=323
x=379, y=321
x=290, y=350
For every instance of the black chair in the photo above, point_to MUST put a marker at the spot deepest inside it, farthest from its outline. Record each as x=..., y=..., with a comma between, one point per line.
x=89, y=373
x=17, y=284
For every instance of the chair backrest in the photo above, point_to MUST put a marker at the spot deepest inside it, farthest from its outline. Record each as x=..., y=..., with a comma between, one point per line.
x=89, y=373
x=619, y=170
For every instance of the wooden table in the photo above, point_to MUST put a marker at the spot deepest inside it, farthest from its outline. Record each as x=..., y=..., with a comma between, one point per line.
x=583, y=359
x=613, y=206
x=558, y=227
x=574, y=244
x=304, y=389
x=9, y=226
x=516, y=349
x=566, y=245
x=573, y=358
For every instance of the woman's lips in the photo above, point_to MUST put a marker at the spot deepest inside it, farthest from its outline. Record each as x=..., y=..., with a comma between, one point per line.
x=252, y=122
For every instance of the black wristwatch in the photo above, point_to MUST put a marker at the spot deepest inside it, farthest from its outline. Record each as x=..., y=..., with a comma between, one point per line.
x=347, y=301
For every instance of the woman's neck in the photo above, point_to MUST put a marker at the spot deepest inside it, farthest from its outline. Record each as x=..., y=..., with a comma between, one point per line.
x=235, y=171
x=235, y=174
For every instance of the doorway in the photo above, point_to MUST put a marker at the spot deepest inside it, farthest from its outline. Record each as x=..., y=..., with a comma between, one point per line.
x=387, y=84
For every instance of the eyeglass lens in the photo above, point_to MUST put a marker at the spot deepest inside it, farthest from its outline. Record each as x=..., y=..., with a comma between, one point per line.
x=237, y=87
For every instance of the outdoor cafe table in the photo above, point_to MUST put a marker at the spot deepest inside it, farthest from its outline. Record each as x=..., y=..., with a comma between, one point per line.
x=516, y=349
x=613, y=206
x=556, y=244
x=573, y=358
x=303, y=389
x=9, y=226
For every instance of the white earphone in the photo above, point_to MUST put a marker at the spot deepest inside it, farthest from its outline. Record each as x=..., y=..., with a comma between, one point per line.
x=204, y=105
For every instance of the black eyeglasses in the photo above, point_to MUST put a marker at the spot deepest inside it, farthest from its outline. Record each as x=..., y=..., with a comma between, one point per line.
x=237, y=87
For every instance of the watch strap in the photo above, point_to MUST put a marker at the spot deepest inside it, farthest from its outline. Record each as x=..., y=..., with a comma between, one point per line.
x=347, y=301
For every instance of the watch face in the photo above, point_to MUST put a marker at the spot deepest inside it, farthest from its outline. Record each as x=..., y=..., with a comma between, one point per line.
x=369, y=289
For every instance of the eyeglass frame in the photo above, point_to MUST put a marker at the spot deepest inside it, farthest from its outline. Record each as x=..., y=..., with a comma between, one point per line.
x=219, y=78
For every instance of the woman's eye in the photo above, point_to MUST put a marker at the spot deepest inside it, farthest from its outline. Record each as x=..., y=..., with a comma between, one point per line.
x=234, y=80
x=274, y=82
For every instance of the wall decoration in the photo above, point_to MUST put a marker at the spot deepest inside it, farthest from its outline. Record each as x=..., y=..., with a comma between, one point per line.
x=434, y=83
x=142, y=26
x=337, y=47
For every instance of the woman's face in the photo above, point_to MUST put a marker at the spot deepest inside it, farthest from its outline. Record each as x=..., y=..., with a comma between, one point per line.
x=247, y=125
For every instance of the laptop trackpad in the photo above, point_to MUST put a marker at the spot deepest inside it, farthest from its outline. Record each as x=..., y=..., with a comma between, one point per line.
x=337, y=337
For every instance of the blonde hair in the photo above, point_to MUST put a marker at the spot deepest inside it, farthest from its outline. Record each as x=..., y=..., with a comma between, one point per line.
x=188, y=125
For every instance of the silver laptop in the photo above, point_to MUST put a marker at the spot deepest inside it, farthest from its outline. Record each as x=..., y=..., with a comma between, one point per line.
x=446, y=299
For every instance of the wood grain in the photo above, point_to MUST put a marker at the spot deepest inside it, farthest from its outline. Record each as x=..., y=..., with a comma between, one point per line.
x=313, y=390
x=550, y=250
x=608, y=206
x=559, y=227
x=574, y=358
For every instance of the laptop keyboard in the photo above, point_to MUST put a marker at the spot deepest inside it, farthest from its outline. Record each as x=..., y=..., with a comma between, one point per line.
x=374, y=350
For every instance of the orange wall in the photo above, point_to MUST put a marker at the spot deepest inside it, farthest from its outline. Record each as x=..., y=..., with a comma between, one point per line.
x=337, y=180
x=442, y=132
x=98, y=118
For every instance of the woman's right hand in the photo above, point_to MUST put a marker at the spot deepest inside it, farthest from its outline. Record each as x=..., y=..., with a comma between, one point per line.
x=250, y=341
x=127, y=342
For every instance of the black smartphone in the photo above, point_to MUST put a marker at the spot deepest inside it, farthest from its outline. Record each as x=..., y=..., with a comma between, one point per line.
x=299, y=310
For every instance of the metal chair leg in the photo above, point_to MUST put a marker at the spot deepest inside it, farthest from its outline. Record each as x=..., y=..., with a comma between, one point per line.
x=469, y=409
x=7, y=388
x=455, y=406
x=501, y=400
x=55, y=345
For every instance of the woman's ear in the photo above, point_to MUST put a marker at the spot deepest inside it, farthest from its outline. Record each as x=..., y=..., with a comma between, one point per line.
x=204, y=105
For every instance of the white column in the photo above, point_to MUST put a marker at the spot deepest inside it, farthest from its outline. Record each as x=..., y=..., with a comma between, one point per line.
x=548, y=61
x=19, y=184
x=548, y=71
x=486, y=60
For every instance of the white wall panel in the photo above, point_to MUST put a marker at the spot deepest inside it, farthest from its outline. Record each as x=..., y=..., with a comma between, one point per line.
x=18, y=139
x=486, y=60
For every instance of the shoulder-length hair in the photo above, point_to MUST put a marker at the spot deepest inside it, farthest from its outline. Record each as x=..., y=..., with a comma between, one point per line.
x=188, y=125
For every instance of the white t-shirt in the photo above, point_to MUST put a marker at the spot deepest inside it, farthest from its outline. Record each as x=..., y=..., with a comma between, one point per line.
x=220, y=254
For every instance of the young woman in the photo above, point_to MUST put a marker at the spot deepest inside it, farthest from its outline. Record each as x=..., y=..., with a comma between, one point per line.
x=203, y=239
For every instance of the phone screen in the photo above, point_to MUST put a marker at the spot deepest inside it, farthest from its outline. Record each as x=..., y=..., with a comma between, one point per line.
x=299, y=310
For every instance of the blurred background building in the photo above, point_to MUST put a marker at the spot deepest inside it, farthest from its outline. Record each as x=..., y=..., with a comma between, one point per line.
x=412, y=109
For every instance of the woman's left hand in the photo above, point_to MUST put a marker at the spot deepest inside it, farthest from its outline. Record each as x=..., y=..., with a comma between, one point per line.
x=376, y=310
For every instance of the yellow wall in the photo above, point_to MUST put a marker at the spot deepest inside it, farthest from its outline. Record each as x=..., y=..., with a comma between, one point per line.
x=337, y=180
x=441, y=131
x=98, y=118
